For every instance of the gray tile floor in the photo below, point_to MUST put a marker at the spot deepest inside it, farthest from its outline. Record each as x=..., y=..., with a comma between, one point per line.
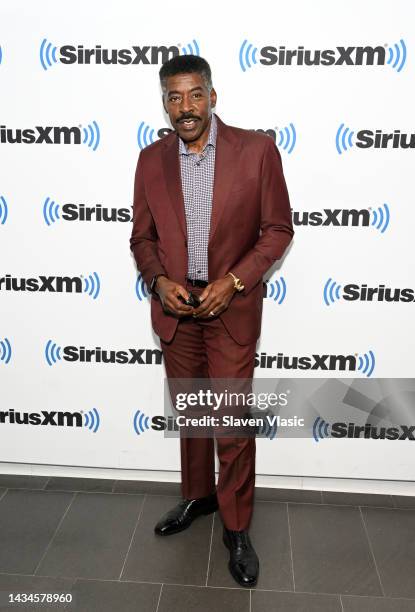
x=94, y=538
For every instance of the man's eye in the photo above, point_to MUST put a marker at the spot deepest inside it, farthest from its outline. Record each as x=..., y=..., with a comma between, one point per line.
x=174, y=99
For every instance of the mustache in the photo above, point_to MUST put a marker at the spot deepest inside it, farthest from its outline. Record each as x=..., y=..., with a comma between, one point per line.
x=186, y=117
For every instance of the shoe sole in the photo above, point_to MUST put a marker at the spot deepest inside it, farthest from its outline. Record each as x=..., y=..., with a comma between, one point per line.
x=243, y=584
x=183, y=527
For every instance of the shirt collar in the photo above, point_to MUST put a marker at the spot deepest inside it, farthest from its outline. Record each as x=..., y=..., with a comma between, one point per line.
x=211, y=141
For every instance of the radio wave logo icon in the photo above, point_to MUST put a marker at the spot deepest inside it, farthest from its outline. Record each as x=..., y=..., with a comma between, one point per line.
x=344, y=139
x=247, y=55
x=5, y=351
x=276, y=290
x=92, y=420
x=145, y=135
x=141, y=422
x=331, y=292
x=141, y=289
x=267, y=429
x=50, y=211
x=366, y=363
x=47, y=54
x=397, y=55
x=4, y=211
x=191, y=49
x=381, y=218
x=321, y=429
x=92, y=285
x=52, y=352
x=287, y=137
x=92, y=135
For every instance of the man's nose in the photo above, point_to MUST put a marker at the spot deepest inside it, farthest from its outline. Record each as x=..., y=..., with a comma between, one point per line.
x=186, y=104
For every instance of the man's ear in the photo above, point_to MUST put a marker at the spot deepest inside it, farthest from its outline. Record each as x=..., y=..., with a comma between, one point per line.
x=213, y=97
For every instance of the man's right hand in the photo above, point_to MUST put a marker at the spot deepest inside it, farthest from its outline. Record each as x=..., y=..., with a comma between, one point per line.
x=168, y=292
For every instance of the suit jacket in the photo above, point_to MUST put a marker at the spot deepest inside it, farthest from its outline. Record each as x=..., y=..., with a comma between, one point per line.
x=250, y=223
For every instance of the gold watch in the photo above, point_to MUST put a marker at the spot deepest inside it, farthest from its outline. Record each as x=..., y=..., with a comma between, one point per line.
x=237, y=283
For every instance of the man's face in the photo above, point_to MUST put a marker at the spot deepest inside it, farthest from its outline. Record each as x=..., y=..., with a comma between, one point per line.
x=189, y=104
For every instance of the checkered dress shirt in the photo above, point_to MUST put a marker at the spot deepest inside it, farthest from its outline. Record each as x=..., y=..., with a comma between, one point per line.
x=197, y=174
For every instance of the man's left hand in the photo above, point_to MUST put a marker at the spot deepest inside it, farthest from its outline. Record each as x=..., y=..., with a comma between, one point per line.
x=215, y=298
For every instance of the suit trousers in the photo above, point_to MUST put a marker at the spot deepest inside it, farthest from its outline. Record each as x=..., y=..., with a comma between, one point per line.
x=203, y=348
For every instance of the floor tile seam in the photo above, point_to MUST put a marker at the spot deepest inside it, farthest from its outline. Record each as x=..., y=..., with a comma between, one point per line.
x=210, y=547
x=265, y=501
x=159, y=599
x=387, y=597
x=371, y=550
x=325, y=505
x=202, y=586
x=132, y=536
x=84, y=491
x=55, y=532
x=291, y=547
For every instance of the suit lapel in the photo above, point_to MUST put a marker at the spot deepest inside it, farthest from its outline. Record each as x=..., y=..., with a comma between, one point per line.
x=172, y=176
x=226, y=159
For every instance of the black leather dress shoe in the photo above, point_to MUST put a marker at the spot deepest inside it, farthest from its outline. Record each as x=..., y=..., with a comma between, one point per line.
x=182, y=516
x=243, y=560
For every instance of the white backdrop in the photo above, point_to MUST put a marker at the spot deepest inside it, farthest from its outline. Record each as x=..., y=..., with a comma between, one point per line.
x=43, y=183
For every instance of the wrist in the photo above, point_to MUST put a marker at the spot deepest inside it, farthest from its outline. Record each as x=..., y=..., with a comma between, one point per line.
x=237, y=283
x=157, y=283
x=231, y=282
x=154, y=283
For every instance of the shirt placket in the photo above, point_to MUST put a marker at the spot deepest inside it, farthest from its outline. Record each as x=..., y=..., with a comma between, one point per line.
x=193, y=216
x=200, y=219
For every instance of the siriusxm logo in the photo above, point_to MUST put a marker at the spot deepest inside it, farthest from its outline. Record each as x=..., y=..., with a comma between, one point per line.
x=54, y=212
x=5, y=351
x=363, y=363
x=285, y=137
x=81, y=354
x=351, y=292
x=275, y=289
x=75, y=135
x=4, y=210
x=393, y=56
x=142, y=423
x=88, y=420
x=90, y=284
x=322, y=429
x=141, y=290
x=376, y=218
x=346, y=138
x=50, y=54
x=146, y=135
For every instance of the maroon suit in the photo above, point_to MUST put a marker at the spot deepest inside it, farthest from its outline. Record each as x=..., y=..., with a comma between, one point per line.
x=250, y=228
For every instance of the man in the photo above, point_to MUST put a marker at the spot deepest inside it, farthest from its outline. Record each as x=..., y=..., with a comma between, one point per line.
x=211, y=215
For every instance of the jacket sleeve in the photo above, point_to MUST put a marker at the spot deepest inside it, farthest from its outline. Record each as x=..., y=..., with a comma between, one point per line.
x=276, y=223
x=143, y=240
